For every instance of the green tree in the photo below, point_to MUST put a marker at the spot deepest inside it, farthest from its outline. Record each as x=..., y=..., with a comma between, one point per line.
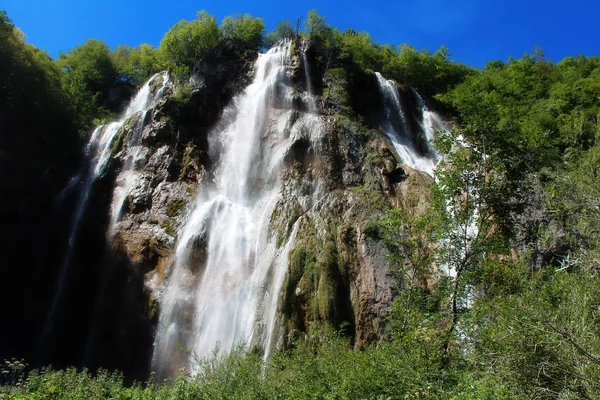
x=189, y=41
x=135, y=65
x=283, y=30
x=315, y=24
x=32, y=99
x=244, y=31
x=466, y=195
x=88, y=74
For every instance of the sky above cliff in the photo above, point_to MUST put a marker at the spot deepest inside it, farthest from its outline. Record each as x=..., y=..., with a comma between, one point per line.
x=474, y=31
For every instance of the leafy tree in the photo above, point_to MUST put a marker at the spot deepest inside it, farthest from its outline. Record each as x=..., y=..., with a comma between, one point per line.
x=315, y=24
x=244, y=31
x=283, y=30
x=188, y=41
x=34, y=108
x=135, y=64
x=88, y=74
x=544, y=338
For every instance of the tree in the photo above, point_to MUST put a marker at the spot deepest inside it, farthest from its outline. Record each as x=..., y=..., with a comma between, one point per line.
x=244, y=31
x=135, y=65
x=187, y=42
x=33, y=102
x=88, y=74
x=315, y=24
x=283, y=30
x=465, y=195
x=413, y=251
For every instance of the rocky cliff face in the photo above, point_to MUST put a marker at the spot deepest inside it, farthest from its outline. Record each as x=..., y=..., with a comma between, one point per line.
x=333, y=187
x=332, y=190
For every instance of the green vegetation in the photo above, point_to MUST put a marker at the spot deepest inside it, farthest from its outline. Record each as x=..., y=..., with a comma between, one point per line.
x=176, y=207
x=186, y=42
x=245, y=33
x=91, y=83
x=32, y=99
x=517, y=317
x=428, y=73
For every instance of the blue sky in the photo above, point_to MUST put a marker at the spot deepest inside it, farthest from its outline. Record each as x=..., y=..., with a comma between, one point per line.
x=474, y=31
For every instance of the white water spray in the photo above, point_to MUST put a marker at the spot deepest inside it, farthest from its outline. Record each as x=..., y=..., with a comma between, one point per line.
x=135, y=152
x=398, y=132
x=306, y=66
x=98, y=152
x=228, y=270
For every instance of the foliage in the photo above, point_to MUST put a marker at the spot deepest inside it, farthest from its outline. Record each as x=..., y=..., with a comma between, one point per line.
x=32, y=99
x=544, y=339
x=88, y=74
x=429, y=73
x=244, y=32
x=283, y=30
x=135, y=64
x=188, y=41
x=475, y=317
x=529, y=112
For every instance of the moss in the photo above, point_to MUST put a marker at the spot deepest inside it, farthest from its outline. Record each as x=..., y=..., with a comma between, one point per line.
x=326, y=297
x=192, y=191
x=169, y=226
x=182, y=95
x=357, y=126
x=302, y=261
x=318, y=270
x=371, y=191
x=348, y=235
x=285, y=226
x=119, y=141
x=156, y=83
x=190, y=154
x=175, y=207
x=122, y=135
x=152, y=308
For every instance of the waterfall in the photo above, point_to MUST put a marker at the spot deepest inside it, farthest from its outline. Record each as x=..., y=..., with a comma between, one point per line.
x=135, y=153
x=97, y=155
x=431, y=123
x=397, y=130
x=225, y=281
x=311, y=102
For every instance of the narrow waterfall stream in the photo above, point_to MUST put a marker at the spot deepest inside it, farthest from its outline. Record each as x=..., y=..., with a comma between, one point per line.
x=228, y=270
x=98, y=153
x=396, y=128
x=307, y=77
x=136, y=154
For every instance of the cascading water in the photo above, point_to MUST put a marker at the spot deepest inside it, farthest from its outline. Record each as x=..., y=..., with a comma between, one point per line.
x=431, y=124
x=311, y=103
x=98, y=153
x=136, y=153
x=396, y=128
x=228, y=270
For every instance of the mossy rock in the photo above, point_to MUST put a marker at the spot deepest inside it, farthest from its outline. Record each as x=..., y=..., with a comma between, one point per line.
x=191, y=157
x=169, y=225
x=287, y=223
x=176, y=207
x=156, y=83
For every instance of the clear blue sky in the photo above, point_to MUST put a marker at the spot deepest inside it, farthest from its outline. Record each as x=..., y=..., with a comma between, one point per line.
x=474, y=31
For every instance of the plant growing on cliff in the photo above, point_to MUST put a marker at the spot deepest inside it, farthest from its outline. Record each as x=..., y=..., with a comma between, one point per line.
x=413, y=251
